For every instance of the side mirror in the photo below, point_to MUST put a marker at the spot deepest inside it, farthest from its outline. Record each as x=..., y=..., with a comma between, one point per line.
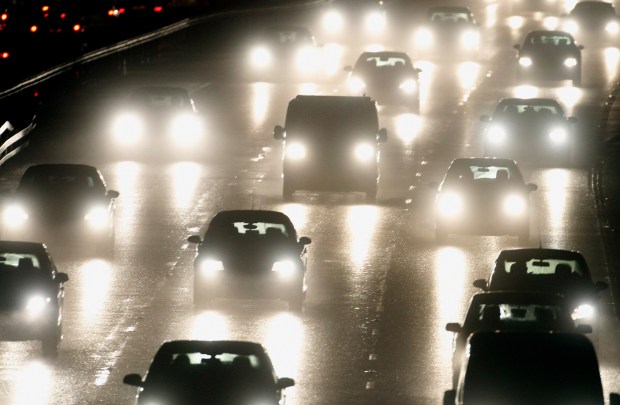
x=304, y=240
x=449, y=397
x=572, y=120
x=600, y=286
x=348, y=68
x=382, y=136
x=194, y=239
x=580, y=47
x=481, y=283
x=62, y=278
x=278, y=132
x=133, y=380
x=531, y=187
x=583, y=328
x=454, y=327
x=112, y=194
x=517, y=47
x=485, y=118
x=614, y=398
x=284, y=382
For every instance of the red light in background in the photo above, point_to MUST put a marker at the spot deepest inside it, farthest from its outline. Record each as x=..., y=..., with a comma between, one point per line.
x=158, y=9
x=63, y=15
x=34, y=28
x=5, y=55
x=45, y=8
x=77, y=27
x=121, y=10
x=4, y=16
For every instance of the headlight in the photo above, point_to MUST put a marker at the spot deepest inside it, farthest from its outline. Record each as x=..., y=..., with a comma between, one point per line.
x=558, y=135
x=409, y=86
x=97, y=217
x=211, y=266
x=525, y=61
x=514, y=205
x=496, y=134
x=612, y=27
x=364, y=152
x=37, y=304
x=470, y=40
x=128, y=128
x=583, y=311
x=424, y=38
x=570, y=62
x=375, y=22
x=186, y=129
x=450, y=204
x=356, y=85
x=261, y=57
x=14, y=215
x=285, y=268
x=295, y=151
x=333, y=21
x=571, y=26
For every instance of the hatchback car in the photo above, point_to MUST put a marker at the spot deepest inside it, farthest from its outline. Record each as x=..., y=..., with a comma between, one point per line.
x=194, y=372
x=485, y=196
x=593, y=19
x=387, y=77
x=250, y=254
x=31, y=295
x=548, y=55
x=354, y=21
x=511, y=311
x=331, y=143
x=61, y=202
x=549, y=270
x=534, y=130
x=158, y=118
x=448, y=32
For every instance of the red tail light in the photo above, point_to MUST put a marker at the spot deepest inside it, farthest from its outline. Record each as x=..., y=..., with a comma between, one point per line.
x=45, y=8
x=4, y=16
x=121, y=10
x=158, y=9
x=5, y=55
x=63, y=15
x=34, y=28
x=77, y=27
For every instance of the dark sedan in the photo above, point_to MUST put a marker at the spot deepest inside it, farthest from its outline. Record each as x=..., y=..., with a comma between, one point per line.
x=224, y=372
x=31, y=295
x=250, y=254
x=593, y=20
x=547, y=55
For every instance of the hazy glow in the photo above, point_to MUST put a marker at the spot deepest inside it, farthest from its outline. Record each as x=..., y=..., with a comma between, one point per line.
x=569, y=96
x=185, y=176
x=333, y=58
x=525, y=91
x=284, y=341
x=126, y=180
x=210, y=325
x=491, y=15
x=612, y=59
x=515, y=22
x=468, y=74
x=374, y=48
x=555, y=183
x=32, y=384
x=260, y=103
x=362, y=220
x=551, y=23
x=569, y=5
x=307, y=89
x=95, y=276
x=408, y=127
x=298, y=213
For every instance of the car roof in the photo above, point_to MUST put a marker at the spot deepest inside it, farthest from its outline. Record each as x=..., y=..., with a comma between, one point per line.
x=459, y=9
x=63, y=168
x=538, y=33
x=250, y=215
x=517, y=297
x=530, y=101
x=483, y=161
x=386, y=54
x=211, y=346
x=334, y=100
x=22, y=247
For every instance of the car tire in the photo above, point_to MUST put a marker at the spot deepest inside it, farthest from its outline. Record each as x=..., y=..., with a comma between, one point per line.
x=50, y=343
x=287, y=191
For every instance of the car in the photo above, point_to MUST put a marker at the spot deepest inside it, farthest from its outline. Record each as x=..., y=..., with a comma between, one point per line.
x=482, y=195
x=388, y=77
x=548, y=55
x=32, y=291
x=354, y=21
x=448, y=32
x=593, y=19
x=533, y=129
x=224, y=372
x=331, y=143
x=286, y=51
x=60, y=202
x=529, y=368
x=250, y=254
x=549, y=270
x=160, y=119
x=511, y=311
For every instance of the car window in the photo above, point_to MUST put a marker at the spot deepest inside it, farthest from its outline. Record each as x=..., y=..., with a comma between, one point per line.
x=527, y=108
x=496, y=315
x=59, y=181
x=450, y=17
x=550, y=40
x=19, y=261
x=161, y=100
x=287, y=37
x=255, y=231
x=330, y=122
x=378, y=61
x=481, y=173
x=559, y=267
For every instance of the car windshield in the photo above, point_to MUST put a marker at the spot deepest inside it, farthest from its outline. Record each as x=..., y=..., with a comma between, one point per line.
x=255, y=232
x=559, y=267
x=287, y=37
x=329, y=122
x=482, y=174
x=525, y=110
x=449, y=17
x=160, y=100
x=552, y=40
x=23, y=262
x=383, y=62
x=54, y=182
x=492, y=316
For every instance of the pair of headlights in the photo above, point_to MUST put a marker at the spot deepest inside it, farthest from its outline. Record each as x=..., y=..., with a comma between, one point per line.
x=184, y=128
x=211, y=267
x=15, y=216
x=363, y=152
x=497, y=134
x=451, y=205
x=526, y=62
x=374, y=22
x=307, y=58
x=611, y=27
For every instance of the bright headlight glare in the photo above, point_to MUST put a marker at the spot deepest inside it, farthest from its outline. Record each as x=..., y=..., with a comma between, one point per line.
x=364, y=152
x=514, y=205
x=612, y=27
x=333, y=21
x=470, y=40
x=261, y=57
x=285, y=268
x=307, y=59
x=128, y=128
x=450, y=204
x=558, y=135
x=14, y=215
x=211, y=266
x=583, y=311
x=356, y=84
x=571, y=26
x=37, y=304
x=525, y=61
x=186, y=129
x=408, y=86
x=496, y=134
x=424, y=38
x=375, y=21
x=97, y=217
x=570, y=62
x=295, y=151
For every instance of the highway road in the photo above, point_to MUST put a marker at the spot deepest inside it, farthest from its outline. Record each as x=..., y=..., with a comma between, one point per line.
x=380, y=288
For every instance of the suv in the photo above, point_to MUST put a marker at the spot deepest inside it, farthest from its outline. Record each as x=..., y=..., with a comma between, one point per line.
x=331, y=143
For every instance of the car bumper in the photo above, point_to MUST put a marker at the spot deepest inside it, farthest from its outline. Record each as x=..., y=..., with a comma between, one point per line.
x=222, y=285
